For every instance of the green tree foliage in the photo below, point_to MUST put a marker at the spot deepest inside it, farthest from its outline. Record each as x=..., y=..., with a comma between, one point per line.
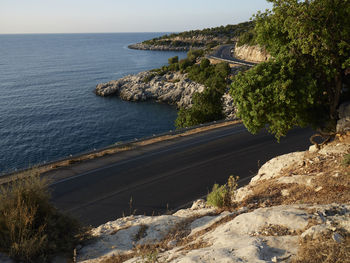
x=173, y=60
x=207, y=106
x=193, y=54
x=229, y=31
x=310, y=43
x=247, y=38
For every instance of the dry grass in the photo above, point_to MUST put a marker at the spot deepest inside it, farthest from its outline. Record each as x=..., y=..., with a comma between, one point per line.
x=324, y=249
x=330, y=183
x=179, y=233
x=117, y=258
x=275, y=230
x=141, y=233
x=31, y=229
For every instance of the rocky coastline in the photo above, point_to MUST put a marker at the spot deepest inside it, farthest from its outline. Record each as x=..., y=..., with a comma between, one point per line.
x=141, y=46
x=173, y=88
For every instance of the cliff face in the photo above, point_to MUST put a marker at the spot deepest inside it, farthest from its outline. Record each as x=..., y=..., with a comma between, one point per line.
x=252, y=53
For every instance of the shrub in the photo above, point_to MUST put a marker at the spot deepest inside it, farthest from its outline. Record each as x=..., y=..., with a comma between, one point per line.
x=205, y=63
x=148, y=78
x=207, y=107
x=247, y=38
x=346, y=160
x=217, y=196
x=173, y=60
x=221, y=196
x=193, y=54
x=185, y=63
x=31, y=229
x=174, y=67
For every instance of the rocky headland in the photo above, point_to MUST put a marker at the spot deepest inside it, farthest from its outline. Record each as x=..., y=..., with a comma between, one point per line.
x=173, y=88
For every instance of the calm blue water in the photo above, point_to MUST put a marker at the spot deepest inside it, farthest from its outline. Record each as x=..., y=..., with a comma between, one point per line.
x=47, y=106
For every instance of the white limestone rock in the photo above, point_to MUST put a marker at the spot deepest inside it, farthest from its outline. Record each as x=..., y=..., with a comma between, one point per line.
x=273, y=168
x=198, y=204
x=252, y=53
x=242, y=193
x=340, y=148
x=343, y=124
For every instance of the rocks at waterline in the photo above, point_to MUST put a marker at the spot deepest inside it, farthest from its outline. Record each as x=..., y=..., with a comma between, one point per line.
x=141, y=46
x=171, y=88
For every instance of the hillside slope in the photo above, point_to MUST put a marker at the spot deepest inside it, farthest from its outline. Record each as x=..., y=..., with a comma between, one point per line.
x=194, y=39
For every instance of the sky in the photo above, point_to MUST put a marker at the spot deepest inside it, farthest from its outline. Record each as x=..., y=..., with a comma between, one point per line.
x=98, y=16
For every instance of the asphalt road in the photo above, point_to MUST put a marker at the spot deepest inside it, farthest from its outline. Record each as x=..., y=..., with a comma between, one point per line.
x=224, y=52
x=169, y=175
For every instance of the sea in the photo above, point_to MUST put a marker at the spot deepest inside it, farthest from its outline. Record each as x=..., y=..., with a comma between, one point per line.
x=48, y=110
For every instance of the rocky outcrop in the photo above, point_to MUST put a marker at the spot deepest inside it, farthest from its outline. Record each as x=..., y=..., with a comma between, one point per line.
x=343, y=124
x=254, y=54
x=171, y=88
x=263, y=235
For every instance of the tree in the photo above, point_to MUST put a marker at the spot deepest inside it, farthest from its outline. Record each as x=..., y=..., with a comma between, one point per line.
x=173, y=60
x=206, y=107
x=303, y=83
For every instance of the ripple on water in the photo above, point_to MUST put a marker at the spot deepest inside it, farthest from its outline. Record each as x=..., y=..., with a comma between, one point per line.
x=47, y=106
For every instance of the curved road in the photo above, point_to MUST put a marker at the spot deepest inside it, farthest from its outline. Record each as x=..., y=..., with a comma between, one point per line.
x=166, y=175
x=224, y=53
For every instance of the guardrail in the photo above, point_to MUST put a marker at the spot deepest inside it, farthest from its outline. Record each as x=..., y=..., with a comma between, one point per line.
x=233, y=61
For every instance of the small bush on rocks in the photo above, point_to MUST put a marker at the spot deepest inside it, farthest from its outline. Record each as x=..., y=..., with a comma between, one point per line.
x=221, y=196
x=346, y=160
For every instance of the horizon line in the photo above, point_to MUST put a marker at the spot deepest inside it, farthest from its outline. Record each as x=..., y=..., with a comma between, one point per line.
x=67, y=33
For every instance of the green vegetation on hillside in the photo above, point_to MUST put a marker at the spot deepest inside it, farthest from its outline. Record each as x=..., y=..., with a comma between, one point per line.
x=207, y=105
x=31, y=229
x=204, y=38
x=306, y=79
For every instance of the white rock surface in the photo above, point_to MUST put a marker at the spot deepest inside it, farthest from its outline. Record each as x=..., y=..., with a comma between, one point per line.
x=340, y=148
x=251, y=53
x=296, y=179
x=343, y=124
x=242, y=193
x=273, y=168
x=238, y=239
